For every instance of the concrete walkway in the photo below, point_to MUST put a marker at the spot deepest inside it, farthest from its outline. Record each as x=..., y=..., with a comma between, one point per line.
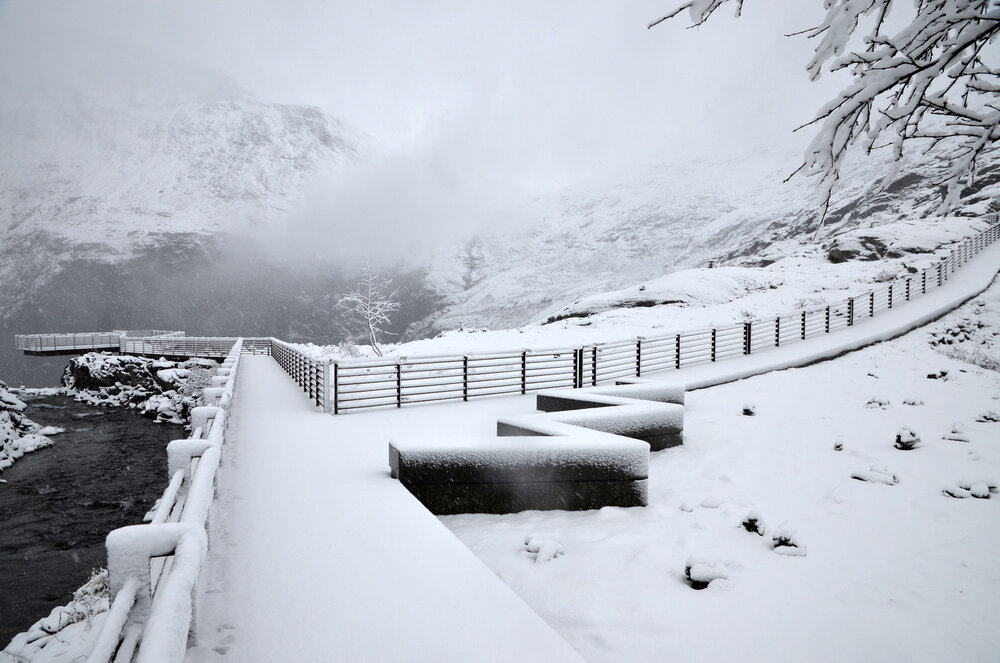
x=317, y=555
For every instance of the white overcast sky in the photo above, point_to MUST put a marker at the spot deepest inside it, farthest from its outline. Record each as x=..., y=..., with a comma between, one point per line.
x=551, y=90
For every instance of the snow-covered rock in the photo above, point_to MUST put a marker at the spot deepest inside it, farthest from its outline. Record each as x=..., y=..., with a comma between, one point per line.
x=18, y=434
x=160, y=389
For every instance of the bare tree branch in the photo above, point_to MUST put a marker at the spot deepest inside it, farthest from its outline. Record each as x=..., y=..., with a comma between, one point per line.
x=371, y=302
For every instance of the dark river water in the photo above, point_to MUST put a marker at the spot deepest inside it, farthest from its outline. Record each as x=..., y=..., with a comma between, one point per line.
x=59, y=503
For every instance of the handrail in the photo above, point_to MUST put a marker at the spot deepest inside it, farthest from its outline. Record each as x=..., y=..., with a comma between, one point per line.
x=404, y=380
x=158, y=630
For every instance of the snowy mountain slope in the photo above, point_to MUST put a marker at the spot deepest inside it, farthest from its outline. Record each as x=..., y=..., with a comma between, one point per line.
x=598, y=238
x=142, y=204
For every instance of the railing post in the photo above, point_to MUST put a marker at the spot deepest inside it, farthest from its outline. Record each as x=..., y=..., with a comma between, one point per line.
x=923, y=283
x=850, y=311
x=399, y=385
x=326, y=386
x=593, y=366
x=827, y=319
x=465, y=378
x=907, y=288
x=803, y=325
x=638, y=357
x=777, y=332
x=746, y=338
x=940, y=267
x=713, y=343
x=677, y=351
x=524, y=372
x=871, y=304
x=336, y=389
x=890, y=295
x=576, y=370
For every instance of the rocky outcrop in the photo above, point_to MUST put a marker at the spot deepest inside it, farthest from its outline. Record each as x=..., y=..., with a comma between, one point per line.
x=160, y=389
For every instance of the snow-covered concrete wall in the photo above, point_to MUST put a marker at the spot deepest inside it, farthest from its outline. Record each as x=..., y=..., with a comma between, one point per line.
x=591, y=452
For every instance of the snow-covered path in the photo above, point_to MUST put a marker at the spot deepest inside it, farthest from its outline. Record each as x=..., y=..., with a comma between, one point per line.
x=319, y=556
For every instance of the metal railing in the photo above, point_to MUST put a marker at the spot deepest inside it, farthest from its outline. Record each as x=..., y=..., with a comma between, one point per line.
x=394, y=382
x=153, y=568
x=66, y=342
x=189, y=346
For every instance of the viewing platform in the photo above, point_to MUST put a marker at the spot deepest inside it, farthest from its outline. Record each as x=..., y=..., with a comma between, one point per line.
x=145, y=342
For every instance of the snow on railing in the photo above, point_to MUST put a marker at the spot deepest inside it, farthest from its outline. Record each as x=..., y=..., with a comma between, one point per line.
x=394, y=382
x=153, y=568
x=313, y=375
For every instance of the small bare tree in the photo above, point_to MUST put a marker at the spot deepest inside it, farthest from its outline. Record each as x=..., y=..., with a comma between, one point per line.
x=933, y=82
x=371, y=302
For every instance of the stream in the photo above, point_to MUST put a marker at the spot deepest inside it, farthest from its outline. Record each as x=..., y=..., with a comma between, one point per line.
x=59, y=503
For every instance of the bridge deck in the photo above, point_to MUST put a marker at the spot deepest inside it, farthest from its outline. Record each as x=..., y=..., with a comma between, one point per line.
x=318, y=555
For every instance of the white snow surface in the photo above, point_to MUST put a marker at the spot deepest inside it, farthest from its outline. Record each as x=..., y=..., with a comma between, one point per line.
x=324, y=557
x=892, y=573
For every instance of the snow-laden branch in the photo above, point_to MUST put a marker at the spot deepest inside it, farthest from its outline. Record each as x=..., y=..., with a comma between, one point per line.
x=928, y=80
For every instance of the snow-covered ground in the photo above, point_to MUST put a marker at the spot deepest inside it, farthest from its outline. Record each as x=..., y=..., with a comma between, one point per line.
x=887, y=564
x=863, y=552
x=701, y=298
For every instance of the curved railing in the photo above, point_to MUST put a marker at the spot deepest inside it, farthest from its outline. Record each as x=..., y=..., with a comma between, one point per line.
x=398, y=381
x=153, y=568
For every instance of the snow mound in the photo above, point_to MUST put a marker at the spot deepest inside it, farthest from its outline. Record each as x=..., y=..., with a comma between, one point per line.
x=877, y=475
x=543, y=546
x=785, y=541
x=700, y=571
x=906, y=439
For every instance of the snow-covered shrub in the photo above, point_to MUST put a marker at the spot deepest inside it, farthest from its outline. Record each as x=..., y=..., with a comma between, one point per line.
x=838, y=445
x=348, y=349
x=906, y=439
x=978, y=489
x=989, y=417
x=913, y=402
x=878, y=403
x=543, y=547
x=956, y=434
x=749, y=409
x=753, y=523
x=877, y=475
x=785, y=541
x=885, y=275
x=699, y=572
x=978, y=356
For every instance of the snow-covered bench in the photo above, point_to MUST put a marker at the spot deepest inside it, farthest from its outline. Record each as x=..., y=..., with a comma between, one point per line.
x=590, y=450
